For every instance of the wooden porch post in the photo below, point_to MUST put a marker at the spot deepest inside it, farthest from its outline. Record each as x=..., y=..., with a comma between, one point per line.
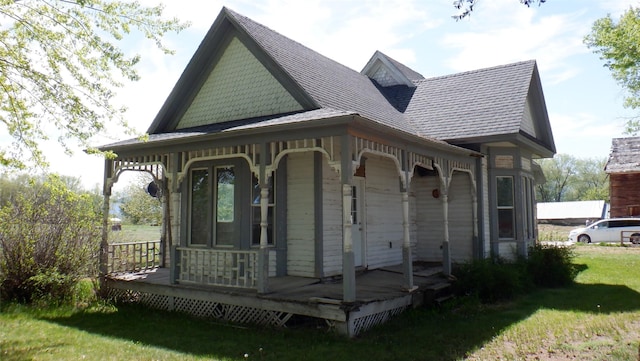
x=446, y=255
x=263, y=253
x=348, y=258
x=104, y=242
x=407, y=263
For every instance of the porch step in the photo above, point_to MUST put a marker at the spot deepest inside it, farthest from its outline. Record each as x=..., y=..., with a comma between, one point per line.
x=438, y=293
x=439, y=286
x=442, y=299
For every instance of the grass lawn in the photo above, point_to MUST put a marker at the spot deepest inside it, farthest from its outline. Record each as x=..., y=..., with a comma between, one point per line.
x=596, y=319
x=135, y=233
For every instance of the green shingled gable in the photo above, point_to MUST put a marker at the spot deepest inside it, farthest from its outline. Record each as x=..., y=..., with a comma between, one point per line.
x=238, y=87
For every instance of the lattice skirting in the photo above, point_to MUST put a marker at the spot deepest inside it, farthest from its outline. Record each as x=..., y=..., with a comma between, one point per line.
x=360, y=320
x=200, y=308
x=364, y=323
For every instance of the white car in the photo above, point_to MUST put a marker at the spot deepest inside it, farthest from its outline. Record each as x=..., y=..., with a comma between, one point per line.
x=608, y=230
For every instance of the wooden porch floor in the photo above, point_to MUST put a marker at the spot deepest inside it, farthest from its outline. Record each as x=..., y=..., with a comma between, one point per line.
x=371, y=286
x=379, y=296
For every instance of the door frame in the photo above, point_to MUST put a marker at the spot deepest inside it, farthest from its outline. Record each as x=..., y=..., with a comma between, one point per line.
x=359, y=227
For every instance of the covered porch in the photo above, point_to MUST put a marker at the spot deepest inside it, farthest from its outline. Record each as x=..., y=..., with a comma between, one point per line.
x=298, y=216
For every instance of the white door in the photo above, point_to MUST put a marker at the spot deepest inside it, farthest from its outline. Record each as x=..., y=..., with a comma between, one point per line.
x=358, y=222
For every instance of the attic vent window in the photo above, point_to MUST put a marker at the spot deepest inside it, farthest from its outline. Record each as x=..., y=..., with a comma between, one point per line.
x=383, y=77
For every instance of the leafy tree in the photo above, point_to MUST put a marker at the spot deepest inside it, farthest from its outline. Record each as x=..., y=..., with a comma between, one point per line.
x=618, y=44
x=137, y=206
x=59, y=67
x=559, y=172
x=591, y=182
x=573, y=179
x=49, y=240
x=466, y=6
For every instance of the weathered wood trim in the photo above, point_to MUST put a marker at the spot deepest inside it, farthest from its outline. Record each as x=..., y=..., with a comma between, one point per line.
x=318, y=207
x=104, y=241
x=407, y=262
x=479, y=212
x=348, y=261
x=263, y=253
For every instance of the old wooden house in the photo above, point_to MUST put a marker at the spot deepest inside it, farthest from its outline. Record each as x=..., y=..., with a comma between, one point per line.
x=294, y=185
x=623, y=167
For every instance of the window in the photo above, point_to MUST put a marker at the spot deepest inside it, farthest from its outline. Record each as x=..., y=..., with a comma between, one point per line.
x=255, y=212
x=506, y=214
x=354, y=205
x=528, y=197
x=225, y=206
x=199, y=193
x=212, y=206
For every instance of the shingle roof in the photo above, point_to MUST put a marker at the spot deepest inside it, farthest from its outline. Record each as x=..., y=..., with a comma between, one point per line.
x=330, y=83
x=625, y=156
x=475, y=104
x=478, y=103
x=228, y=127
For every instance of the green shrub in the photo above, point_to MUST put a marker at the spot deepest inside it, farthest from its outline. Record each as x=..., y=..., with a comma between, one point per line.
x=49, y=240
x=491, y=280
x=551, y=266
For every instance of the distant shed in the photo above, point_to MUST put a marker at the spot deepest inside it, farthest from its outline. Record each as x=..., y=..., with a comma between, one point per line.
x=578, y=212
x=623, y=168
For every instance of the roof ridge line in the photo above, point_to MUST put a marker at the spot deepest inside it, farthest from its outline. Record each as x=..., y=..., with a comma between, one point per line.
x=478, y=70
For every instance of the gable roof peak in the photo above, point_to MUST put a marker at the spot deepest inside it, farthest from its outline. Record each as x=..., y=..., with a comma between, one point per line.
x=389, y=72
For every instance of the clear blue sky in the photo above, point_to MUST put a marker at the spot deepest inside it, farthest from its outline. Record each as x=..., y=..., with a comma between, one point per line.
x=584, y=103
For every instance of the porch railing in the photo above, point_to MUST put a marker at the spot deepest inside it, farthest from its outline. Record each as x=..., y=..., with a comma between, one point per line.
x=215, y=267
x=133, y=256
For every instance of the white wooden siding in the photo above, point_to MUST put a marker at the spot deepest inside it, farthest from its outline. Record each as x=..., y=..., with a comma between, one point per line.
x=332, y=220
x=460, y=218
x=429, y=219
x=508, y=250
x=300, y=215
x=384, y=230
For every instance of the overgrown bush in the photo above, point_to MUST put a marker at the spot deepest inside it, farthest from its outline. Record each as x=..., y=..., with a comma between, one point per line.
x=493, y=280
x=49, y=240
x=551, y=266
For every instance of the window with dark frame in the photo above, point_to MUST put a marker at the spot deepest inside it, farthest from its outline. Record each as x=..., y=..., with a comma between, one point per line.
x=212, y=206
x=199, y=207
x=505, y=205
